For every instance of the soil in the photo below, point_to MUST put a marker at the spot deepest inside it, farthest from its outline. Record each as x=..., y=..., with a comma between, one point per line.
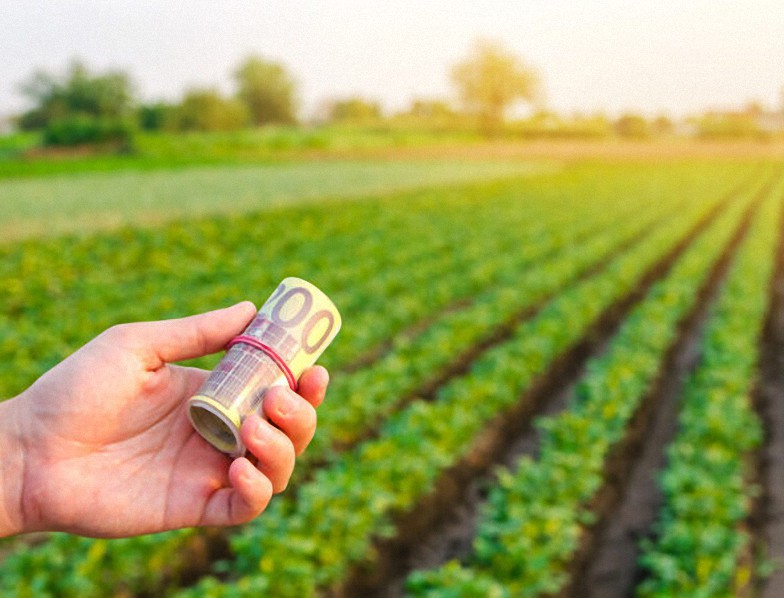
x=768, y=522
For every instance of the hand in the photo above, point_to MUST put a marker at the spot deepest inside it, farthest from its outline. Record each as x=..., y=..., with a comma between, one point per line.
x=101, y=445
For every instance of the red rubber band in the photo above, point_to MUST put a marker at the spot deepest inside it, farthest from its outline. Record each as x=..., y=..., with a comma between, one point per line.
x=269, y=352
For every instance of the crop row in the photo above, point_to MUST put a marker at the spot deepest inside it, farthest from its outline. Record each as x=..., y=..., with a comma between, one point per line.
x=300, y=546
x=55, y=297
x=700, y=538
x=405, y=256
x=368, y=394
x=57, y=285
x=534, y=519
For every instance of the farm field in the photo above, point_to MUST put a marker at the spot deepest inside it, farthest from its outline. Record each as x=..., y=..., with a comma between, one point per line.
x=554, y=377
x=70, y=203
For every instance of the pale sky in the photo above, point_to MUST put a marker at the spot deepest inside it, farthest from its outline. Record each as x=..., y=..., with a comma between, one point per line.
x=658, y=56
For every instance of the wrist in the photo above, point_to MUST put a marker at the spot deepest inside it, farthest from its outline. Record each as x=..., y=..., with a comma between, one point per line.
x=12, y=460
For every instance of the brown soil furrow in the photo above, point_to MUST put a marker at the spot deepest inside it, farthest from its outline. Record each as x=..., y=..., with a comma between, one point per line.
x=768, y=521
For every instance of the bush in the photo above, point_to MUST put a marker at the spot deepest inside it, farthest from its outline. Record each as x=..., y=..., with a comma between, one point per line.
x=84, y=129
x=208, y=110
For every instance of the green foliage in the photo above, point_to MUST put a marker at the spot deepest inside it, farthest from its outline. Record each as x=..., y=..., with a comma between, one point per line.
x=436, y=116
x=81, y=129
x=15, y=145
x=164, y=150
x=156, y=116
x=534, y=517
x=267, y=90
x=453, y=262
x=700, y=538
x=298, y=550
x=491, y=79
x=77, y=94
x=356, y=110
x=207, y=110
x=455, y=581
x=107, y=200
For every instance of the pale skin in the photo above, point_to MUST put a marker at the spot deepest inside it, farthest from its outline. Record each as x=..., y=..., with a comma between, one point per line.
x=101, y=445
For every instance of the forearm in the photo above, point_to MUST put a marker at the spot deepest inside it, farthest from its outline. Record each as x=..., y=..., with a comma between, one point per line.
x=11, y=470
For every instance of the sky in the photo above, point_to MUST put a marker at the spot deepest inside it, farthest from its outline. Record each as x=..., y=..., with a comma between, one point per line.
x=658, y=57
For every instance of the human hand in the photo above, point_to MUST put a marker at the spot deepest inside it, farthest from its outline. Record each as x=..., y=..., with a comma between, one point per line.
x=101, y=445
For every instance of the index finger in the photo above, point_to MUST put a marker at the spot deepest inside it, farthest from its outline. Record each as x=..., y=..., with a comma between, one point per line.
x=312, y=385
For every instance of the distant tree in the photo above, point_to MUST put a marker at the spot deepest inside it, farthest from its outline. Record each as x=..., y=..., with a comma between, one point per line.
x=633, y=126
x=354, y=109
x=431, y=109
x=728, y=125
x=157, y=116
x=754, y=109
x=205, y=109
x=77, y=94
x=268, y=91
x=491, y=79
x=432, y=115
x=662, y=125
x=80, y=107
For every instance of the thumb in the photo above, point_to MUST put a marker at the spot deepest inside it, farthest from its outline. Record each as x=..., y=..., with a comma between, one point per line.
x=195, y=336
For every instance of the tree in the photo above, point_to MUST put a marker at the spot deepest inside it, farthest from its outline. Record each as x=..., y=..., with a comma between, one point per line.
x=632, y=126
x=267, y=90
x=490, y=80
x=157, y=116
x=431, y=109
x=206, y=110
x=77, y=94
x=354, y=110
x=662, y=125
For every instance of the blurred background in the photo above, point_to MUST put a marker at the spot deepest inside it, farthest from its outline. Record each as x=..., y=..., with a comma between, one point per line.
x=145, y=81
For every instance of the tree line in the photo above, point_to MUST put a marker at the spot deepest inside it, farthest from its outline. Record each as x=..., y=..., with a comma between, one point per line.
x=81, y=107
x=85, y=107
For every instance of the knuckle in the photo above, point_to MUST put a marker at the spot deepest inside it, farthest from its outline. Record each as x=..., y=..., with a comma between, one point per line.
x=119, y=334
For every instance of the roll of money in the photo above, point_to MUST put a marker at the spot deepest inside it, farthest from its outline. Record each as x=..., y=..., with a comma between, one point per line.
x=286, y=337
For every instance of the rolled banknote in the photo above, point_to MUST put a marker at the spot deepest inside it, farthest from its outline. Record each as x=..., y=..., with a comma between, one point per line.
x=286, y=337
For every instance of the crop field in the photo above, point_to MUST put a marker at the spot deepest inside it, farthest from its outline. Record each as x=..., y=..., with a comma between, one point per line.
x=70, y=203
x=552, y=378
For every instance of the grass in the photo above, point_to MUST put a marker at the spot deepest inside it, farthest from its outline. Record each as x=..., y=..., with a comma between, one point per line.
x=170, y=176
x=85, y=202
x=21, y=154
